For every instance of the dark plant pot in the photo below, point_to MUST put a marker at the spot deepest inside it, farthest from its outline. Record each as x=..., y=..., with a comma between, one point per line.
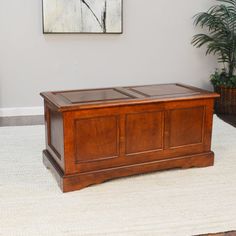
x=226, y=104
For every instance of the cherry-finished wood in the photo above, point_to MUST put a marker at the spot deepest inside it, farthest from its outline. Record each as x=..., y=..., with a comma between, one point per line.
x=144, y=132
x=93, y=95
x=135, y=97
x=181, y=126
x=96, y=135
x=81, y=180
x=102, y=135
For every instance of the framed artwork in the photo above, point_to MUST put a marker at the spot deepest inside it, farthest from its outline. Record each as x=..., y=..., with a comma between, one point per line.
x=82, y=16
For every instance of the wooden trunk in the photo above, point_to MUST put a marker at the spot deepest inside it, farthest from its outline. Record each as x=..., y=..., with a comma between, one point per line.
x=96, y=135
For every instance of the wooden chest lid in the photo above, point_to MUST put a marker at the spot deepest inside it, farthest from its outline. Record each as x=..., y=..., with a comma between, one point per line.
x=105, y=97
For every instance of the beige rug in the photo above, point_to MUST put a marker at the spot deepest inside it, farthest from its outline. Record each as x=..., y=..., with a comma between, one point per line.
x=177, y=202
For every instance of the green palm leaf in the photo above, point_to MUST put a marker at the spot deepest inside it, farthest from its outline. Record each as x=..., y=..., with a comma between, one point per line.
x=220, y=21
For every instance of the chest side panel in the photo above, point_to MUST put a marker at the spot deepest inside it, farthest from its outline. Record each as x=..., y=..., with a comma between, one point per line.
x=54, y=134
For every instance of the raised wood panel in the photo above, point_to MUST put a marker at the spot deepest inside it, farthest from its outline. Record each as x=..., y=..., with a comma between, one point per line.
x=164, y=90
x=56, y=133
x=96, y=138
x=144, y=132
x=186, y=126
x=94, y=95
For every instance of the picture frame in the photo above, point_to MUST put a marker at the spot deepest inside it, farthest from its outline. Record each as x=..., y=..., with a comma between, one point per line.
x=82, y=16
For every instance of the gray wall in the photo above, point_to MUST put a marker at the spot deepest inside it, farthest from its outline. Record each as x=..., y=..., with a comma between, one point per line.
x=154, y=48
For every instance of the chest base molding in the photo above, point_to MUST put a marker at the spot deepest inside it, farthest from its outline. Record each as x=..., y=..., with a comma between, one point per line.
x=73, y=182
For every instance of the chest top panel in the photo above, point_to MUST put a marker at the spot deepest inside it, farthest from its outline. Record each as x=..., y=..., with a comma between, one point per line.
x=93, y=95
x=79, y=99
x=165, y=90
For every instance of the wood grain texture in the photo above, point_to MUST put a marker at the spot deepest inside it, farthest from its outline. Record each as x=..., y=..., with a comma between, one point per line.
x=82, y=180
x=186, y=126
x=103, y=139
x=163, y=94
x=56, y=133
x=144, y=132
x=93, y=95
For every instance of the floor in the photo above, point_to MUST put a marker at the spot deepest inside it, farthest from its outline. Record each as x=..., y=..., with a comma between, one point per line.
x=46, y=196
x=231, y=233
x=230, y=119
x=177, y=202
x=21, y=120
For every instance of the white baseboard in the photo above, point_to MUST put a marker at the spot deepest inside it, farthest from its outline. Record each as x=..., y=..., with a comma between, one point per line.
x=21, y=111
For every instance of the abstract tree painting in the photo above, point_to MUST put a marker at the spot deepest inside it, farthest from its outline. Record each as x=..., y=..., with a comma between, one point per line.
x=82, y=16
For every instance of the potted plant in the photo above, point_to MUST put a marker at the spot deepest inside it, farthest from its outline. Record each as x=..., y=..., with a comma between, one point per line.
x=220, y=22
